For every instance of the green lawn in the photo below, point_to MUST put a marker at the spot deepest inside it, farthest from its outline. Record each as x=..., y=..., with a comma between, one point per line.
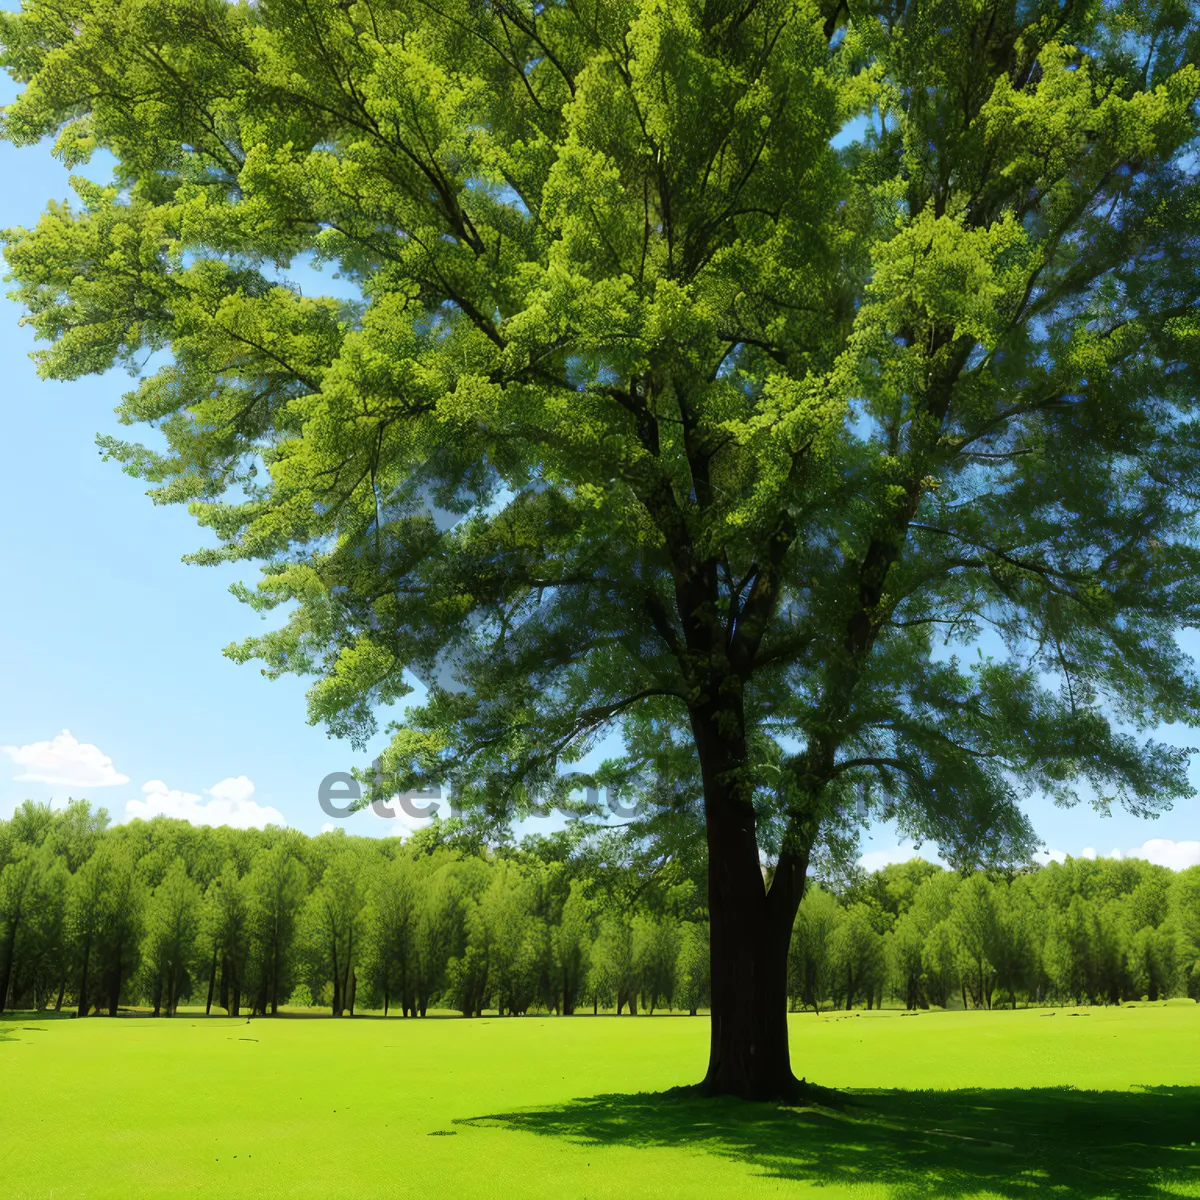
x=1099, y=1102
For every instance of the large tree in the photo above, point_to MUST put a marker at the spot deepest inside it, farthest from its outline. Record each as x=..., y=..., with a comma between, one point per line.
x=718, y=363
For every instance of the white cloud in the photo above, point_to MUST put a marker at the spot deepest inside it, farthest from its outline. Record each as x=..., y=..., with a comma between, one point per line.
x=1168, y=853
x=1163, y=851
x=876, y=860
x=1049, y=856
x=328, y=827
x=234, y=790
x=403, y=823
x=64, y=760
x=231, y=804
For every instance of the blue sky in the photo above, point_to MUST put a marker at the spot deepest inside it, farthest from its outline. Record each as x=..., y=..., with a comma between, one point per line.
x=105, y=633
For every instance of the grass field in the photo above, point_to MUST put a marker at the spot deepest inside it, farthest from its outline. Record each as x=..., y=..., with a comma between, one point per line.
x=1090, y=1103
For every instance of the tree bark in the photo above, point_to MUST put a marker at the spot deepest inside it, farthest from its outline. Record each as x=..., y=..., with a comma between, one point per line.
x=9, y=954
x=81, y=1011
x=114, y=989
x=750, y=931
x=212, y=981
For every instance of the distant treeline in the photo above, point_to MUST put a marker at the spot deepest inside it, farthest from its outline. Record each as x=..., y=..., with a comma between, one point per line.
x=1096, y=931
x=160, y=913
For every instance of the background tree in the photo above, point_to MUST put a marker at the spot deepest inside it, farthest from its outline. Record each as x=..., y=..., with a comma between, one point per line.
x=1014, y=952
x=1071, y=950
x=905, y=962
x=572, y=945
x=811, y=963
x=655, y=951
x=228, y=932
x=613, y=978
x=939, y=962
x=509, y=938
x=391, y=928
x=32, y=933
x=975, y=922
x=1185, y=909
x=691, y=967
x=174, y=922
x=275, y=887
x=75, y=833
x=18, y=898
x=334, y=921
x=118, y=937
x=856, y=957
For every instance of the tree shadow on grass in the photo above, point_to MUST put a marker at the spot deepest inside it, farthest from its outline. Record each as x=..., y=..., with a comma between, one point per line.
x=919, y=1144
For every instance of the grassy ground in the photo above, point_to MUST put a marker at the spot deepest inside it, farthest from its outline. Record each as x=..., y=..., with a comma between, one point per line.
x=1090, y=1103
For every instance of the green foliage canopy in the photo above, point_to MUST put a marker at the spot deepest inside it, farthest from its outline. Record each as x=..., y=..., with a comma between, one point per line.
x=724, y=411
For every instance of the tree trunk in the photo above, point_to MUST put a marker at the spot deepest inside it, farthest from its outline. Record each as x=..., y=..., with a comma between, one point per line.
x=750, y=932
x=158, y=991
x=81, y=1011
x=212, y=981
x=114, y=989
x=6, y=976
x=337, y=983
x=62, y=987
x=748, y=1054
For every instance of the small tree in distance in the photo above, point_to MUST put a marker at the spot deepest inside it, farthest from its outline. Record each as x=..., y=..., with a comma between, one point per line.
x=659, y=409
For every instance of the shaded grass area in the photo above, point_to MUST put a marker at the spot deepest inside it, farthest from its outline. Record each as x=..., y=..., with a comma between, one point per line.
x=1136, y=1145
